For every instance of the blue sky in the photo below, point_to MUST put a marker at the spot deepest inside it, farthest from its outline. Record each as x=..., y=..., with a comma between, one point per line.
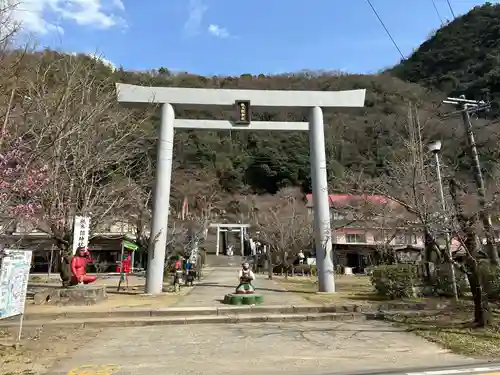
x=232, y=37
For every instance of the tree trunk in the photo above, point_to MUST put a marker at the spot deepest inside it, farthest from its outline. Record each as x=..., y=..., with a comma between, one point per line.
x=482, y=313
x=468, y=224
x=269, y=263
x=285, y=264
x=65, y=264
x=430, y=276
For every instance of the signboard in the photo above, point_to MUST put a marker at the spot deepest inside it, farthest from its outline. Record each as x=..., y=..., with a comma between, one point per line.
x=14, y=275
x=129, y=245
x=81, y=232
x=244, y=113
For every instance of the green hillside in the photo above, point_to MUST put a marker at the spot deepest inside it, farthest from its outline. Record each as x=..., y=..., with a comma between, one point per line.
x=359, y=139
x=462, y=57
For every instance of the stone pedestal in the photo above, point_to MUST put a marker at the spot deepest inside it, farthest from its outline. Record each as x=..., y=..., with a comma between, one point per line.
x=72, y=296
x=244, y=299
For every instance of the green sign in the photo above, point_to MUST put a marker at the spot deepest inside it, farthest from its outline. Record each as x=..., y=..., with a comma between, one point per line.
x=129, y=245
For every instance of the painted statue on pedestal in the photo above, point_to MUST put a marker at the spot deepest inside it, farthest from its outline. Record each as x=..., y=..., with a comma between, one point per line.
x=246, y=276
x=78, y=267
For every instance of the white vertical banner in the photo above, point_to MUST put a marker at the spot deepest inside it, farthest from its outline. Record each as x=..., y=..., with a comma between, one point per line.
x=81, y=232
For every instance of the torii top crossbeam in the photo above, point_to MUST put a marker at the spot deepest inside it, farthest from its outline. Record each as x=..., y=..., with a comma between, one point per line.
x=226, y=97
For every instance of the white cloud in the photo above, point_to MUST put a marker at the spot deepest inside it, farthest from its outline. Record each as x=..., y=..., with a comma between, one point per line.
x=118, y=4
x=39, y=16
x=197, y=10
x=219, y=32
x=100, y=58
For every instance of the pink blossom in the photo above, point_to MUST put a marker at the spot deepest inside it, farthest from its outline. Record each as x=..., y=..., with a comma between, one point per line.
x=20, y=183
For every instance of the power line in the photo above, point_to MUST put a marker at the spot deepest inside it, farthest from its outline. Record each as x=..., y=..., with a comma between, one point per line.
x=451, y=8
x=385, y=28
x=437, y=12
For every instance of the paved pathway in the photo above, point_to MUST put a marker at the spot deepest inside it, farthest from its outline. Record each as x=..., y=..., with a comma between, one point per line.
x=314, y=348
x=222, y=280
x=286, y=348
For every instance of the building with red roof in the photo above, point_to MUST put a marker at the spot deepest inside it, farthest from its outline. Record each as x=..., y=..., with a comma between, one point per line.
x=363, y=225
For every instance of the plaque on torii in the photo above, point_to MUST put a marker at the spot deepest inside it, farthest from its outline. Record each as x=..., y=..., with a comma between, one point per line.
x=244, y=113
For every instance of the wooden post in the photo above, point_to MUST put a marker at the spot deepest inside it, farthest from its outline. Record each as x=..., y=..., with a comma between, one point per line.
x=269, y=262
x=51, y=260
x=121, y=269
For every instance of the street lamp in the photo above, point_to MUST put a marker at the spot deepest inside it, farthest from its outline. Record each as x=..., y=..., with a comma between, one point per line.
x=435, y=148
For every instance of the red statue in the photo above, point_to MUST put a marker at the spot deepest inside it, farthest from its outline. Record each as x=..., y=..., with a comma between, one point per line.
x=78, y=264
x=127, y=264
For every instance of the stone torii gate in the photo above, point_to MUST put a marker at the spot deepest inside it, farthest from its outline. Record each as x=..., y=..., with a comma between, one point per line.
x=242, y=228
x=167, y=97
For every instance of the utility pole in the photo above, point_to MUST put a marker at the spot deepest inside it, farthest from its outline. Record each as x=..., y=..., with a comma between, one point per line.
x=435, y=148
x=465, y=108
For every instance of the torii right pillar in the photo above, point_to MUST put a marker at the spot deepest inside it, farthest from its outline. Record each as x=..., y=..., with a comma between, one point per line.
x=322, y=228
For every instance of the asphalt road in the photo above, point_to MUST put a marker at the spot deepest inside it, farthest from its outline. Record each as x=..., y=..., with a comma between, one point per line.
x=313, y=348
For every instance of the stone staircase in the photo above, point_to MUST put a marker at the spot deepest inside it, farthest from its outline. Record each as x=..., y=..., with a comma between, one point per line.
x=224, y=261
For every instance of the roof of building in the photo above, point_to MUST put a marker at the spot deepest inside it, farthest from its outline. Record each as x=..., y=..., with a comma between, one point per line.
x=345, y=199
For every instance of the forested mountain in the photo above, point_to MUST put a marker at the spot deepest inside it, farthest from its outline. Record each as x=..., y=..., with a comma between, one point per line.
x=462, y=57
x=267, y=161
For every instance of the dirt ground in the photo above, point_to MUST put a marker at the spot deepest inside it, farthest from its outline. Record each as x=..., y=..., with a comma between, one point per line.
x=133, y=297
x=453, y=329
x=349, y=289
x=40, y=348
x=130, y=299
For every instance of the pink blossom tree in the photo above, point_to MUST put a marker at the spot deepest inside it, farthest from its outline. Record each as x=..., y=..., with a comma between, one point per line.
x=21, y=180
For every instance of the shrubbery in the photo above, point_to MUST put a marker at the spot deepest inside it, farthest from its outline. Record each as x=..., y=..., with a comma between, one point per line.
x=408, y=281
x=442, y=284
x=305, y=269
x=396, y=281
x=490, y=278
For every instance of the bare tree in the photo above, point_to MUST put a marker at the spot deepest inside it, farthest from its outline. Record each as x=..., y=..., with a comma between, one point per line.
x=411, y=184
x=198, y=200
x=85, y=144
x=284, y=225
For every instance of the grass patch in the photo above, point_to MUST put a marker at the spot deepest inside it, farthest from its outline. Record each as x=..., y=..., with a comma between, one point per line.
x=349, y=289
x=453, y=330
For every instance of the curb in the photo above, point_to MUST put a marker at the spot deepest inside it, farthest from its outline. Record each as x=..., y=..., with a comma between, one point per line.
x=156, y=321
x=470, y=367
x=229, y=310
x=131, y=321
x=194, y=311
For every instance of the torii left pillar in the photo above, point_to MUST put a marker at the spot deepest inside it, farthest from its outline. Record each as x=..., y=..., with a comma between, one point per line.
x=161, y=203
